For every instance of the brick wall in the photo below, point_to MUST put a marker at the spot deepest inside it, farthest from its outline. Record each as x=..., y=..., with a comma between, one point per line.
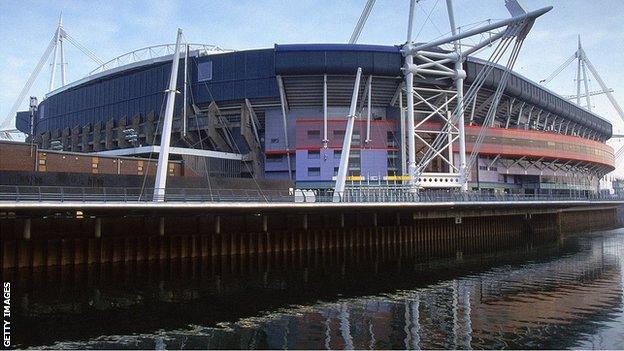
x=18, y=157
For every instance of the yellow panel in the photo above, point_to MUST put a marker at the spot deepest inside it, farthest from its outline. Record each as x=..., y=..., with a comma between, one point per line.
x=355, y=178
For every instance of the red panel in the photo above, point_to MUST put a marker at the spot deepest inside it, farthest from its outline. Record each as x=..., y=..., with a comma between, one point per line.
x=490, y=148
x=379, y=129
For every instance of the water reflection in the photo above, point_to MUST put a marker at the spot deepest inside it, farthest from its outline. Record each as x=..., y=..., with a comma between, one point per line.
x=563, y=294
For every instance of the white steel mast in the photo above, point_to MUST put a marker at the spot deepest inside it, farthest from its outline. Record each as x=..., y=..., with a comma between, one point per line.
x=341, y=178
x=55, y=44
x=409, y=93
x=459, y=86
x=167, y=121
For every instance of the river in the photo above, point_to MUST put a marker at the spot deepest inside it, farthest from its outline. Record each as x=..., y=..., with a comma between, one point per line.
x=555, y=294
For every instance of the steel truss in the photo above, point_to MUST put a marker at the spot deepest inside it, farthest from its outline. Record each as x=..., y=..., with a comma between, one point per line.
x=583, y=65
x=426, y=59
x=154, y=51
x=571, y=171
x=54, y=50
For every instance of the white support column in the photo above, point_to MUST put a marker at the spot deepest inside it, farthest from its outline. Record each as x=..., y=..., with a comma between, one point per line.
x=603, y=86
x=586, y=84
x=554, y=122
x=184, y=121
x=284, y=104
x=402, y=131
x=528, y=121
x=167, y=122
x=520, y=114
x=578, y=73
x=62, y=49
x=459, y=86
x=409, y=89
x=450, y=143
x=369, y=88
x=546, y=121
x=325, y=139
x=341, y=178
x=459, y=82
x=474, y=106
x=53, y=65
x=539, y=117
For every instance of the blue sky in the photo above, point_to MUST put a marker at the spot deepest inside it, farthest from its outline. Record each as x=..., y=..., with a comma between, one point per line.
x=110, y=28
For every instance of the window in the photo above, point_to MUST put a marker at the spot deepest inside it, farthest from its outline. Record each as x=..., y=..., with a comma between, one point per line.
x=204, y=71
x=314, y=154
x=354, y=160
x=339, y=135
x=390, y=139
x=337, y=154
x=314, y=172
x=314, y=134
x=356, y=139
x=274, y=158
x=393, y=161
x=274, y=140
x=336, y=171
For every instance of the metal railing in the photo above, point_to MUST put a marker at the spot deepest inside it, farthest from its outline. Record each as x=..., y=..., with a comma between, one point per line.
x=184, y=195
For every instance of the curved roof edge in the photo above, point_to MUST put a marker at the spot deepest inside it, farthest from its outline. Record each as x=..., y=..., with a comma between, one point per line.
x=337, y=47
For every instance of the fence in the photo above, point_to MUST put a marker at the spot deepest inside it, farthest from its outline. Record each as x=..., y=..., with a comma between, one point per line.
x=390, y=194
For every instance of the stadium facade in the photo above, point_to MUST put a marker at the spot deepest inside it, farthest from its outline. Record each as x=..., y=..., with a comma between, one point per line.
x=281, y=112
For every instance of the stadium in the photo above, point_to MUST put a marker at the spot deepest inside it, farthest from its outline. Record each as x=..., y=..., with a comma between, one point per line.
x=280, y=113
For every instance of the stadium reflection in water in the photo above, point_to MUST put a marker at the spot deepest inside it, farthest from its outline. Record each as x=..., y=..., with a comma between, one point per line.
x=558, y=294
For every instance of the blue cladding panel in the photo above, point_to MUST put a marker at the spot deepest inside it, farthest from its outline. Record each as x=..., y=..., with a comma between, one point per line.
x=22, y=121
x=125, y=94
x=530, y=92
x=236, y=76
x=337, y=59
x=336, y=47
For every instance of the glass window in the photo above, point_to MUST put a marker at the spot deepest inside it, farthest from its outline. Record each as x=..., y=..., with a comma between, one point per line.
x=314, y=134
x=314, y=154
x=393, y=161
x=314, y=172
x=390, y=139
x=204, y=71
x=354, y=160
x=337, y=154
x=339, y=135
x=274, y=158
x=356, y=139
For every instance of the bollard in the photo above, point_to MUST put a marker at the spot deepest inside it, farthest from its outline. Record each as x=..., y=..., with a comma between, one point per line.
x=305, y=221
x=217, y=225
x=265, y=224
